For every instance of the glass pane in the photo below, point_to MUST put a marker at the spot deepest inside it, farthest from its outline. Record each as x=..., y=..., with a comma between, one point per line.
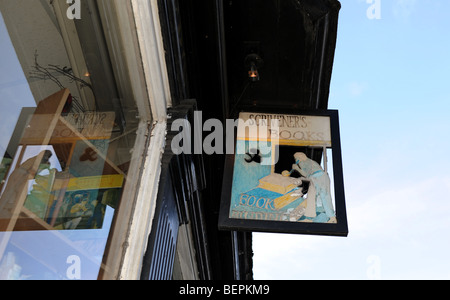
x=66, y=137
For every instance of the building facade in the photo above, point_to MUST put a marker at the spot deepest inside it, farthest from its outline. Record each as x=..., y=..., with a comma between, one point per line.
x=91, y=94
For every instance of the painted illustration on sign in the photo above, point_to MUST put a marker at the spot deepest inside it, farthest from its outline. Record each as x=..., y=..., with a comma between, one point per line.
x=290, y=182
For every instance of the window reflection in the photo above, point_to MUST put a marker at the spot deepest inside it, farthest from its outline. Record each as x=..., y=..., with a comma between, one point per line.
x=59, y=186
x=65, y=140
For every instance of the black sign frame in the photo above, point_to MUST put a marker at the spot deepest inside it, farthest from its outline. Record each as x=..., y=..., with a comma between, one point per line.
x=326, y=229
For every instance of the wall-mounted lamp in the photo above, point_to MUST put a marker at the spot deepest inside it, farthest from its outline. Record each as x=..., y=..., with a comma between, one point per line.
x=253, y=73
x=253, y=63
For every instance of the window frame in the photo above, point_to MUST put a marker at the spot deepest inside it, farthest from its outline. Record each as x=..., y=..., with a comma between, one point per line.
x=133, y=35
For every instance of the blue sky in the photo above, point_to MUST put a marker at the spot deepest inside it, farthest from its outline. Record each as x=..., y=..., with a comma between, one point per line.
x=390, y=85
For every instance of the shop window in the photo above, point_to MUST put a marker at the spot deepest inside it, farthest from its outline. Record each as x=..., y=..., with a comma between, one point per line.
x=66, y=139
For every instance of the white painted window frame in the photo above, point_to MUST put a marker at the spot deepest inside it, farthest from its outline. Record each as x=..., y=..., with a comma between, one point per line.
x=133, y=30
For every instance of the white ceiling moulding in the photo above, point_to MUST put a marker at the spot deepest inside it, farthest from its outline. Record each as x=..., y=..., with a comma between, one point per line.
x=132, y=32
x=153, y=56
x=120, y=35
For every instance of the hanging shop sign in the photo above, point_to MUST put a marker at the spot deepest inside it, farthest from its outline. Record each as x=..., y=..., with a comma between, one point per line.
x=285, y=175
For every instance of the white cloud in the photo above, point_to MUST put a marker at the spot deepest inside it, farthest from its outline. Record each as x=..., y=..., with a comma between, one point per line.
x=404, y=226
x=403, y=9
x=356, y=89
x=284, y=257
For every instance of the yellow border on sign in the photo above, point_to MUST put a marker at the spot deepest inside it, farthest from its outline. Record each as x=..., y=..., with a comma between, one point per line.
x=95, y=182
